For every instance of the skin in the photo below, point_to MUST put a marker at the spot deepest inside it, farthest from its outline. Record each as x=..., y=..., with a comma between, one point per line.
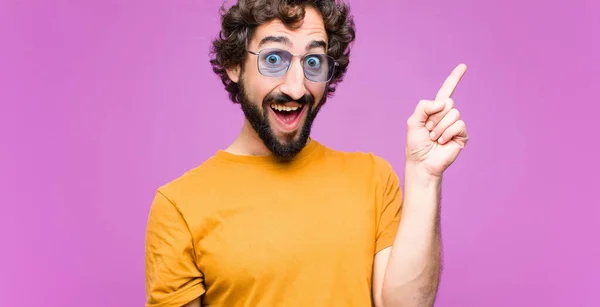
x=406, y=274
x=292, y=84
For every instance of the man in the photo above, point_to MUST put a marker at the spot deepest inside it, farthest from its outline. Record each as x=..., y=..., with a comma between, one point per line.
x=278, y=219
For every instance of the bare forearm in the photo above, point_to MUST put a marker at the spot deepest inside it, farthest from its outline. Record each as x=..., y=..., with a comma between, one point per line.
x=412, y=274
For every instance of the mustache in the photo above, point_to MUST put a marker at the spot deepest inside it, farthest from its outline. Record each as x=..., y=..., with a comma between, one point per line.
x=281, y=98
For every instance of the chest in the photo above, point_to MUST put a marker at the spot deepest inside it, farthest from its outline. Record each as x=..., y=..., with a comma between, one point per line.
x=260, y=232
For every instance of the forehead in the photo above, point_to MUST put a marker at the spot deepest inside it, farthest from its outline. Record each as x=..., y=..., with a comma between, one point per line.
x=312, y=28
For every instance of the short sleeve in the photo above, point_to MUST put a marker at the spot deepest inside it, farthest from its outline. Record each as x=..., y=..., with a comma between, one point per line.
x=391, y=206
x=172, y=277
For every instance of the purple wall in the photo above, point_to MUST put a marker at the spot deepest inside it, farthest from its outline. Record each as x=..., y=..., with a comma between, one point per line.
x=103, y=101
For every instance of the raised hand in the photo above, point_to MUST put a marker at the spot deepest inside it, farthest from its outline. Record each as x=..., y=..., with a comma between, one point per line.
x=436, y=134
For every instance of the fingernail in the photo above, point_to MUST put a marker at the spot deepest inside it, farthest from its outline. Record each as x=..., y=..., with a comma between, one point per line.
x=432, y=135
x=429, y=125
x=441, y=140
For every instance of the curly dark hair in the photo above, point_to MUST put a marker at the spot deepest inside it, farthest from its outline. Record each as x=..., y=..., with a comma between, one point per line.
x=238, y=25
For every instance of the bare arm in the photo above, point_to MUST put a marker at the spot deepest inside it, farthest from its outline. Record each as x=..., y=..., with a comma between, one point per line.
x=408, y=273
x=194, y=303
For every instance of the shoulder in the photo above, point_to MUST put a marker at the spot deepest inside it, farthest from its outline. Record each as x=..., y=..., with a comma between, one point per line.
x=361, y=161
x=195, y=181
x=365, y=167
x=370, y=171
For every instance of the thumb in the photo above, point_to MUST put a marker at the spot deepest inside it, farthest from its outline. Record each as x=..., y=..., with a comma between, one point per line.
x=424, y=109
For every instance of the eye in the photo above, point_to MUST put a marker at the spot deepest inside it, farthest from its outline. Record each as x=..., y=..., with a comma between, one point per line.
x=313, y=62
x=273, y=59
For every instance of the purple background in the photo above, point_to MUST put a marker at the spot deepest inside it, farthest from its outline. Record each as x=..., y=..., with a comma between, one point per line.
x=103, y=101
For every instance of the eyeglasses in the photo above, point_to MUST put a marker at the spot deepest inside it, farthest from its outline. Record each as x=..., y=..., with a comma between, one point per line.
x=276, y=62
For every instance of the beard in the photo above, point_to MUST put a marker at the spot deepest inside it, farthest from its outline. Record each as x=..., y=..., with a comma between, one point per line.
x=258, y=117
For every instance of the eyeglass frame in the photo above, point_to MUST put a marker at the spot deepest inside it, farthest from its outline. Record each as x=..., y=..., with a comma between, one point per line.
x=302, y=58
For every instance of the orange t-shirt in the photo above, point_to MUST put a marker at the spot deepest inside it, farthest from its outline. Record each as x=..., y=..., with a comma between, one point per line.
x=249, y=231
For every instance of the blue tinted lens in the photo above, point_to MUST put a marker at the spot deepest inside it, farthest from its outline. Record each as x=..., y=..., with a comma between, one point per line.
x=274, y=62
x=317, y=67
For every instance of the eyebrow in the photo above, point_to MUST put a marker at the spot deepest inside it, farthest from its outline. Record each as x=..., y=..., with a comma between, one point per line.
x=316, y=44
x=275, y=39
x=286, y=41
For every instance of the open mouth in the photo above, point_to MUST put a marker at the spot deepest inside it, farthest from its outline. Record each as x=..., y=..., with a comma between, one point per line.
x=288, y=115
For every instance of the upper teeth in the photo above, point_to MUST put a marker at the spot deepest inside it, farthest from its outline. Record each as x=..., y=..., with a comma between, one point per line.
x=279, y=107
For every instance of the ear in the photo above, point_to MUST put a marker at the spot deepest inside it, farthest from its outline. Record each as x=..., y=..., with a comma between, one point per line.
x=234, y=73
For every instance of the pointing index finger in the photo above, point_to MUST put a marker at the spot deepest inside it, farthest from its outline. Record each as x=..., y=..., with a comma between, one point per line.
x=451, y=82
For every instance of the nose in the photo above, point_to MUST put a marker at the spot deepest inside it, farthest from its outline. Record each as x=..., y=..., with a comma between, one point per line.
x=293, y=82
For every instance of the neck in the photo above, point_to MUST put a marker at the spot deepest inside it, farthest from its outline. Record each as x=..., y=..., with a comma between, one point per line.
x=247, y=143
